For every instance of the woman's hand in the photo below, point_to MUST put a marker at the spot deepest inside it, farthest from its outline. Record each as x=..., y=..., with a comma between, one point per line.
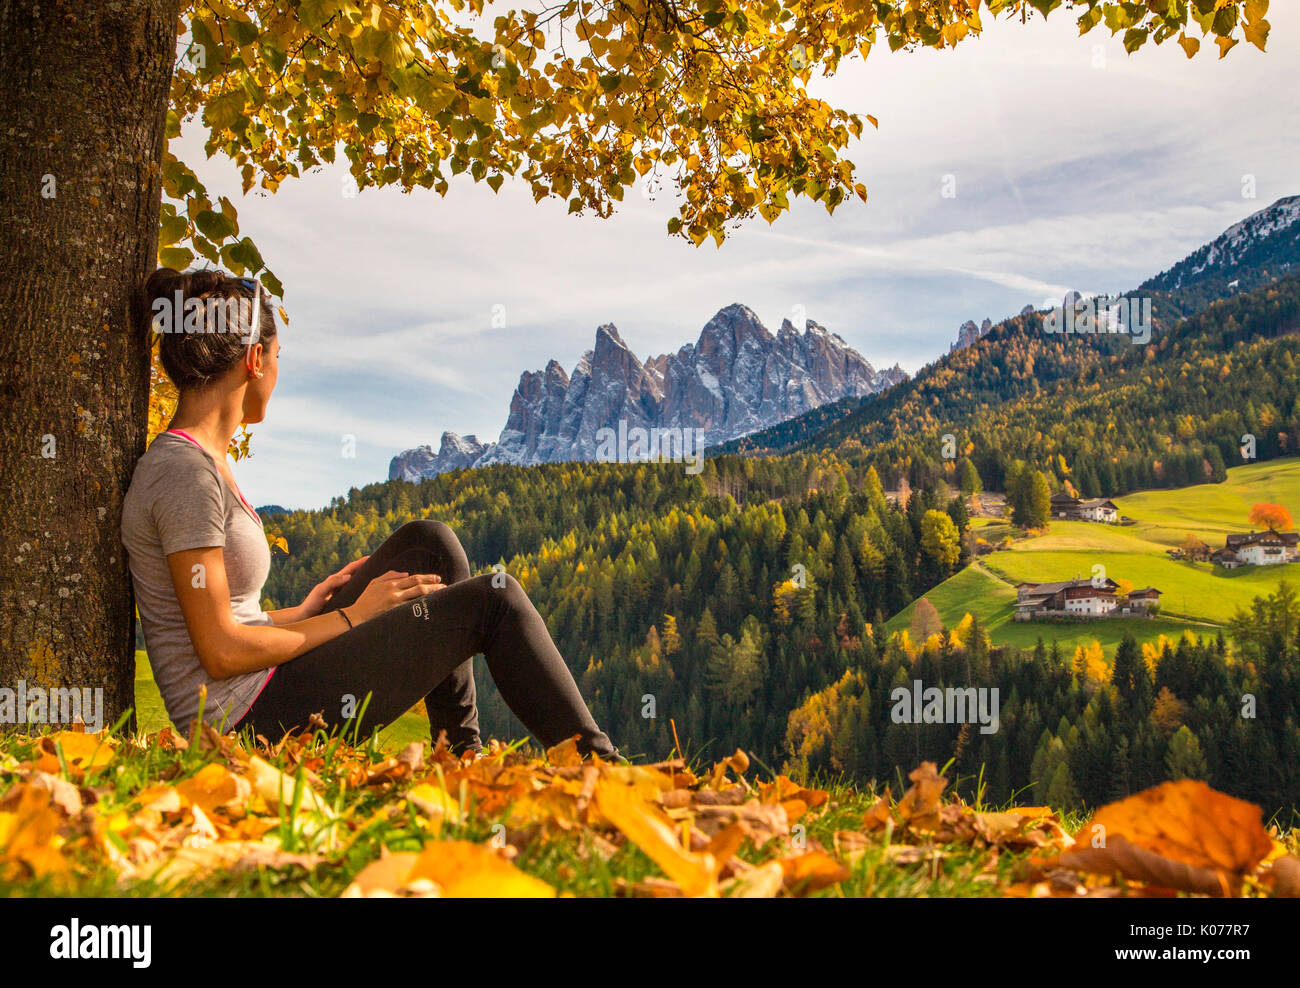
x=227, y=648
x=321, y=593
x=387, y=591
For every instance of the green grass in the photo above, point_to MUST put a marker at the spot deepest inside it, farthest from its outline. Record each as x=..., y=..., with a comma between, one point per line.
x=151, y=713
x=974, y=590
x=1198, y=592
x=1084, y=536
x=1211, y=511
x=1199, y=597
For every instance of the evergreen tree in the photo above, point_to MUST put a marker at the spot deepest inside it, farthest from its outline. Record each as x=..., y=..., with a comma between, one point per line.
x=1185, y=759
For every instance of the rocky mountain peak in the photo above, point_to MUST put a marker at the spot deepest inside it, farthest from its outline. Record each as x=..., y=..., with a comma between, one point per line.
x=607, y=337
x=736, y=378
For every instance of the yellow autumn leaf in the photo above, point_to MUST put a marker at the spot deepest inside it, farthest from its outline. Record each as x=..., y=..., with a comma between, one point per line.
x=278, y=791
x=30, y=844
x=214, y=786
x=646, y=826
x=763, y=882
x=464, y=870
x=383, y=877
x=81, y=752
x=435, y=803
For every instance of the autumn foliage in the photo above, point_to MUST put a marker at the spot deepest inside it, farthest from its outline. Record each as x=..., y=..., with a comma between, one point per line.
x=311, y=805
x=1272, y=516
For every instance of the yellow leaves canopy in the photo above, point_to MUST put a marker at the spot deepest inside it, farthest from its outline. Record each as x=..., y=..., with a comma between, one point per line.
x=708, y=96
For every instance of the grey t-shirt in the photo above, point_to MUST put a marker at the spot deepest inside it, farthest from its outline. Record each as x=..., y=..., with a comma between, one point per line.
x=177, y=500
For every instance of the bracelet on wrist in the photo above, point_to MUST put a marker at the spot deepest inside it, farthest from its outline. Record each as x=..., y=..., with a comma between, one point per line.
x=346, y=618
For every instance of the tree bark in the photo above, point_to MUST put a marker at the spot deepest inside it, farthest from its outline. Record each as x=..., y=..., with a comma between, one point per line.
x=83, y=103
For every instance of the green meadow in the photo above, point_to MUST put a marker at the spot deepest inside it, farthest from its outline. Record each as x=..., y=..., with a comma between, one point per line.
x=1199, y=597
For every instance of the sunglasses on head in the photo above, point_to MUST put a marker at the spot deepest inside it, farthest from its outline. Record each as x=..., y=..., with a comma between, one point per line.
x=256, y=289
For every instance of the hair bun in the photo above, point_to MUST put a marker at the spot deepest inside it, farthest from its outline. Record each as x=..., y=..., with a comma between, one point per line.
x=201, y=352
x=164, y=283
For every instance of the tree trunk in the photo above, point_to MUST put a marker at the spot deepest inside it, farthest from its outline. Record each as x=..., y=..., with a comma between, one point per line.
x=83, y=103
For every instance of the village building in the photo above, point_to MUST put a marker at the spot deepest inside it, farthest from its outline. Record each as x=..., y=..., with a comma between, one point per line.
x=1143, y=599
x=1266, y=548
x=1081, y=599
x=1227, y=558
x=1068, y=508
x=1078, y=597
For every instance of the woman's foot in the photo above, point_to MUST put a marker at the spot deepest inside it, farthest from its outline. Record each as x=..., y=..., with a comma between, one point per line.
x=613, y=755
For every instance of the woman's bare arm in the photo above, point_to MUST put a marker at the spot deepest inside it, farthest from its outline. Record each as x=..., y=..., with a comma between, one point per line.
x=227, y=648
x=318, y=597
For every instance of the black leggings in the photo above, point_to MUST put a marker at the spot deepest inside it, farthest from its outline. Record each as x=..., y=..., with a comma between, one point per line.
x=425, y=648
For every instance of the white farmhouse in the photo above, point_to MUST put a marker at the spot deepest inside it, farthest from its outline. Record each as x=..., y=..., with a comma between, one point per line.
x=1078, y=597
x=1267, y=548
x=1074, y=509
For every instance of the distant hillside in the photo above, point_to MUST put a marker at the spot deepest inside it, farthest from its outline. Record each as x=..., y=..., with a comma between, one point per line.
x=1109, y=415
x=1195, y=596
x=786, y=435
x=1247, y=256
x=1261, y=248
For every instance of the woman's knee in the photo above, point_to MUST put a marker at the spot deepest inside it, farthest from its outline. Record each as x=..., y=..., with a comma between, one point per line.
x=501, y=585
x=437, y=537
x=425, y=530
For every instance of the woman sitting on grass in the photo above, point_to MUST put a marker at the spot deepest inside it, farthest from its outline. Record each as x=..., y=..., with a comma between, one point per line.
x=398, y=625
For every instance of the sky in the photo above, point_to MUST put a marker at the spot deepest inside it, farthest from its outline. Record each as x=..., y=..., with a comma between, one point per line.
x=1075, y=167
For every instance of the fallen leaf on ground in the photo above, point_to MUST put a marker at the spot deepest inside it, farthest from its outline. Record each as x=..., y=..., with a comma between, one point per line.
x=462, y=869
x=811, y=871
x=1182, y=835
x=215, y=787
x=763, y=882
x=919, y=806
x=644, y=824
x=81, y=752
x=449, y=869
x=30, y=843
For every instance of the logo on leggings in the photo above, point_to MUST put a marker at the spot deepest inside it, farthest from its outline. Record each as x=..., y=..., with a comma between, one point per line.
x=420, y=609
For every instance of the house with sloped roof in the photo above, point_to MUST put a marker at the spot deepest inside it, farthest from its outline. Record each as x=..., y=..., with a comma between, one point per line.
x=1142, y=599
x=1069, y=508
x=1225, y=557
x=1077, y=598
x=1266, y=548
x=1062, y=505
